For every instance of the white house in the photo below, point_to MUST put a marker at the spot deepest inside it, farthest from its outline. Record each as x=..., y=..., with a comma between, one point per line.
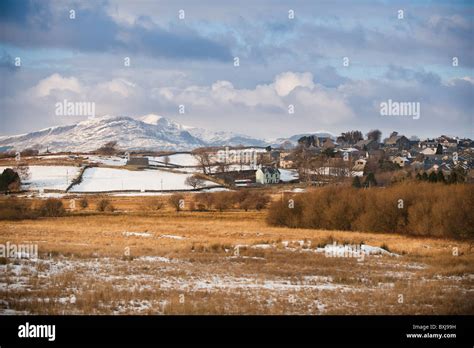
x=267, y=175
x=359, y=165
x=401, y=161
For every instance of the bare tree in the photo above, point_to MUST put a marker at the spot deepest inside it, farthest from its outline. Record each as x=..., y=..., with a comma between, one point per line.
x=194, y=181
x=204, y=159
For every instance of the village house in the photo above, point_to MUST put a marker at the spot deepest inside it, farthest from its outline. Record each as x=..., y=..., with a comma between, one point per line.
x=399, y=142
x=267, y=175
x=287, y=160
x=366, y=145
x=401, y=161
x=447, y=142
x=141, y=162
x=428, y=151
x=359, y=165
x=428, y=144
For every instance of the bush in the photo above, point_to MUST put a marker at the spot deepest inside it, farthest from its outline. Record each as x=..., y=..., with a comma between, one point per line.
x=177, y=201
x=204, y=201
x=286, y=212
x=155, y=204
x=105, y=205
x=15, y=209
x=223, y=200
x=83, y=203
x=9, y=180
x=52, y=207
x=413, y=208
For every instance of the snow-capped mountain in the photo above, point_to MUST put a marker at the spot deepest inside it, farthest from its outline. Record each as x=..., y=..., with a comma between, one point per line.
x=211, y=138
x=150, y=132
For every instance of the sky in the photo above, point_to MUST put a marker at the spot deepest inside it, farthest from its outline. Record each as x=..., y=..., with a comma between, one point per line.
x=303, y=66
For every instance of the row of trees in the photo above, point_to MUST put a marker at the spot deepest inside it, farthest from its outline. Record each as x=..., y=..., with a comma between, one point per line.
x=354, y=136
x=408, y=208
x=457, y=175
x=16, y=209
x=244, y=199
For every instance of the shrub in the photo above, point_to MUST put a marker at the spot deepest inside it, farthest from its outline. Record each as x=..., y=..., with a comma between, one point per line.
x=286, y=212
x=52, y=207
x=83, y=203
x=356, y=182
x=200, y=207
x=155, y=204
x=16, y=209
x=105, y=205
x=9, y=180
x=205, y=200
x=177, y=201
x=261, y=201
x=223, y=200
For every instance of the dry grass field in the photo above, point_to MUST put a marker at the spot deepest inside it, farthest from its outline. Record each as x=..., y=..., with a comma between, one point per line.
x=139, y=261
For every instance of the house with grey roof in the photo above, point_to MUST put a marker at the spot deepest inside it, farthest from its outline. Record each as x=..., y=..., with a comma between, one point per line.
x=267, y=175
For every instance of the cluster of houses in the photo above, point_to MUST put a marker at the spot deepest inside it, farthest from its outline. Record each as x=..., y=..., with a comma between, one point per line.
x=438, y=154
x=396, y=151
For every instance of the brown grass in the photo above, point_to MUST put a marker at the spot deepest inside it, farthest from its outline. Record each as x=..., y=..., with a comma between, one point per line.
x=88, y=256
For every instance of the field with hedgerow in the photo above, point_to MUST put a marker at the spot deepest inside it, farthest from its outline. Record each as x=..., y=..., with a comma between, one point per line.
x=257, y=251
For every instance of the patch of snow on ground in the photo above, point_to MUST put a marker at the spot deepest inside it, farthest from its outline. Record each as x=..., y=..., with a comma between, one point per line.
x=172, y=236
x=50, y=177
x=110, y=179
x=262, y=246
x=288, y=174
x=136, y=234
x=180, y=159
x=153, y=259
x=108, y=160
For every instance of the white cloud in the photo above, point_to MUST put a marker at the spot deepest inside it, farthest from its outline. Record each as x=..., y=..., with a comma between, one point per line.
x=288, y=81
x=56, y=82
x=121, y=86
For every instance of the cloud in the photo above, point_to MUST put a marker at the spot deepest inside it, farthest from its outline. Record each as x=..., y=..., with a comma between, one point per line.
x=283, y=62
x=39, y=24
x=120, y=86
x=6, y=61
x=288, y=81
x=56, y=82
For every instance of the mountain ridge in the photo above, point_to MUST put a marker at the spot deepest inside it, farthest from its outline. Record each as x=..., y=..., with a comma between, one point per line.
x=150, y=132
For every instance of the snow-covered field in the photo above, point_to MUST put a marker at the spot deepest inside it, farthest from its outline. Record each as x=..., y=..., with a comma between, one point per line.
x=108, y=160
x=180, y=159
x=110, y=179
x=288, y=174
x=49, y=177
